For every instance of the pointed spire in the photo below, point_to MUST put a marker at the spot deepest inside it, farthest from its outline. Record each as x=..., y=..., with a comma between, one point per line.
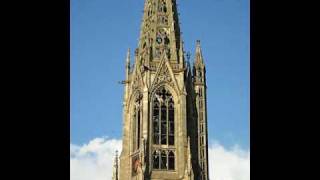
x=181, y=53
x=199, y=69
x=128, y=64
x=198, y=58
x=160, y=30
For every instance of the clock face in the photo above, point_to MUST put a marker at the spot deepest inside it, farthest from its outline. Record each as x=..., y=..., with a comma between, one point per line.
x=159, y=40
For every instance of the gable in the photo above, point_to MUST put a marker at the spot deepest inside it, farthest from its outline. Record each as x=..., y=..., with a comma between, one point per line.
x=165, y=75
x=136, y=81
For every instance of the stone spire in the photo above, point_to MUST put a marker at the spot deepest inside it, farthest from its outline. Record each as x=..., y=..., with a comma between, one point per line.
x=164, y=112
x=160, y=31
x=199, y=69
x=115, y=167
x=199, y=78
x=199, y=59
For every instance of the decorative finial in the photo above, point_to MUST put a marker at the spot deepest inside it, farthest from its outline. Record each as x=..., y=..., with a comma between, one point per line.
x=128, y=55
x=198, y=48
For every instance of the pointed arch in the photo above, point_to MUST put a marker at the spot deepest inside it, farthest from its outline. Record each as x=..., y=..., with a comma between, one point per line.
x=171, y=161
x=135, y=116
x=162, y=106
x=165, y=76
x=163, y=160
x=156, y=159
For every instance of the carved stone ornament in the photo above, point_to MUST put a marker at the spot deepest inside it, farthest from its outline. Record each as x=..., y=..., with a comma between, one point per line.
x=136, y=82
x=164, y=76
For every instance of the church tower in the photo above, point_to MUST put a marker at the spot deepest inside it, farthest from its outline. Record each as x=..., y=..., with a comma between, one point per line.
x=164, y=104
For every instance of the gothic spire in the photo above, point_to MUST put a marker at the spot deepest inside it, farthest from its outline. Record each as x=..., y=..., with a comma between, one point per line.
x=199, y=66
x=160, y=31
x=198, y=57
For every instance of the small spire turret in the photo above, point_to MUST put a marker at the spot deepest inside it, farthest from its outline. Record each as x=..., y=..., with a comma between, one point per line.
x=128, y=64
x=181, y=54
x=199, y=69
x=115, y=167
x=198, y=59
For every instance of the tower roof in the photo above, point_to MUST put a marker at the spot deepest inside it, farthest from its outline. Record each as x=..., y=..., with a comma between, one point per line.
x=160, y=31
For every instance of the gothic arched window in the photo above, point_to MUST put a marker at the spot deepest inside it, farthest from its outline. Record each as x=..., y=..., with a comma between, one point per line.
x=156, y=129
x=171, y=122
x=156, y=160
x=163, y=161
x=136, y=123
x=171, y=160
x=162, y=6
x=163, y=118
x=163, y=123
x=163, y=129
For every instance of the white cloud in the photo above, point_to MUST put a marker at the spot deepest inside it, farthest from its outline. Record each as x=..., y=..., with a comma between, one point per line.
x=225, y=164
x=94, y=161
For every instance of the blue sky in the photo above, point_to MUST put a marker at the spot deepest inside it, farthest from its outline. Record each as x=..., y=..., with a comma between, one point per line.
x=103, y=30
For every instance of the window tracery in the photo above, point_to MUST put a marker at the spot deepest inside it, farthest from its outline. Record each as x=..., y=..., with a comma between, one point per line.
x=162, y=6
x=163, y=160
x=171, y=161
x=163, y=117
x=163, y=20
x=137, y=122
x=163, y=130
